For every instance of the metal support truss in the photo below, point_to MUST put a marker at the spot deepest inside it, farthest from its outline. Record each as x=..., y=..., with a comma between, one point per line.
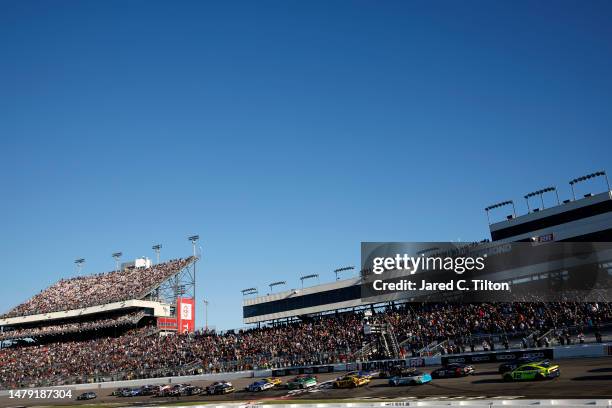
x=182, y=284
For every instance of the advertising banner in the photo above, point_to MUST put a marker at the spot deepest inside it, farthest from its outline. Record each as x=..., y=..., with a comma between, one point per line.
x=497, y=357
x=166, y=323
x=303, y=370
x=186, y=315
x=387, y=364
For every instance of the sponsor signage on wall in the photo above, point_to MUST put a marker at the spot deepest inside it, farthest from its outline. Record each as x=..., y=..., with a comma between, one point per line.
x=498, y=357
x=303, y=370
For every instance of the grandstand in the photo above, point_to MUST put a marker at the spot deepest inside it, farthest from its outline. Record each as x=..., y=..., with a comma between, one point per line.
x=586, y=219
x=107, y=327
x=579, y=220
x=117, y=299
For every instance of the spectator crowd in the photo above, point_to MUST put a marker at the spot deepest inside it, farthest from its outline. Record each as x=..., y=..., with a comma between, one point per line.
x=76, y=327
x=98, y=289
x=138, y=353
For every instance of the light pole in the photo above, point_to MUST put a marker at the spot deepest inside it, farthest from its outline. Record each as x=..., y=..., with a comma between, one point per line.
x=157, y=248
x=79, y=264
x=117, y=256
x=194, y=239
x=205, y=315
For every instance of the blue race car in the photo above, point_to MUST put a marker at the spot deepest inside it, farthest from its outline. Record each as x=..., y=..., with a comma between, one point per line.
x=260, y=386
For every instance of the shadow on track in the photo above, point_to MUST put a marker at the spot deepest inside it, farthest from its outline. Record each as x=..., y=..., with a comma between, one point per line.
x=601, y=370
x=593, y=378
x=490, y=381
x=479, y=373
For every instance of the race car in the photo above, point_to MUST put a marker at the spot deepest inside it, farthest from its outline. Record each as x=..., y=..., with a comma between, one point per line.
x=302, y=382
x=514, y=364
x=164, y=390
x=275, y=381
x=189, y=390
x=220, y=387
x=128, y=392
x=119, y=392
x=415, y=378
x=366, y=374
x=148, y=390
x=393, y=371
x=453, y=370
x=533, y=371
x=175, y=390
x=351, y=381
x=225, y=388
x=87, y=396
x=261, y=385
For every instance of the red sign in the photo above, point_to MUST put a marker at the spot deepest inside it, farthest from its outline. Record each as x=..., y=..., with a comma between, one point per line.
x=166, y=323
x=184, y=322
x=186, y=315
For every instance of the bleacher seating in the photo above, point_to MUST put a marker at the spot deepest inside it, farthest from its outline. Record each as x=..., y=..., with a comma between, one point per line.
x=99, y=289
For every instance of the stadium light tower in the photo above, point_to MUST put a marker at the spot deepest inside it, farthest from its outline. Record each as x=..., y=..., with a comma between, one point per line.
x=79, y=264
x=305, y=277
x=249, y=291
x=273, y=284
x=117, y=256
x=346, y=268
x=498, y=205
x=541, y=194
x=194, y=239
x=157, y=248
x=587, y=177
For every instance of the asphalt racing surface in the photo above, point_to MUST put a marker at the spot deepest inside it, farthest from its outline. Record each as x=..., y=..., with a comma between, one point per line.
x=580, y=378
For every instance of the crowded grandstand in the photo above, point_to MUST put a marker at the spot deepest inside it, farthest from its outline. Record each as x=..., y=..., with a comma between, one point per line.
x=141, y=353
x=113, y=326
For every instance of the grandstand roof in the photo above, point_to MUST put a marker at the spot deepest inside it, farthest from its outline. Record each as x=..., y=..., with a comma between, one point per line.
x=572, y=220
x=327, y=297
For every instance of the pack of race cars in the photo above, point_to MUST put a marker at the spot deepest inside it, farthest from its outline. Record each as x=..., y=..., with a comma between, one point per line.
x=182, y=390
x=522, y=369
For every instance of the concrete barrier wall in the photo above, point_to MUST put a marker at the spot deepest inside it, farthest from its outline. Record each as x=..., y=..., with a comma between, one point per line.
x=580, y=350
x=154, y=381
x=433, y=360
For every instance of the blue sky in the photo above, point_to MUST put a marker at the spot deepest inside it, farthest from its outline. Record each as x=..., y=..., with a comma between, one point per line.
x=284, y=133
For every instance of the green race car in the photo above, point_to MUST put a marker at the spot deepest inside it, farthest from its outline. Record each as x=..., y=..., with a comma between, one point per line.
x=302, y=382
x=537, y=370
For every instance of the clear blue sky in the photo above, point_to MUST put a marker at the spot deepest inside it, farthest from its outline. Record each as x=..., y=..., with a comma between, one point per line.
x=283, y=132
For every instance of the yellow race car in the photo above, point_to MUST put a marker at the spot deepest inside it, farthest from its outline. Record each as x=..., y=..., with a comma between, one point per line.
x=274, y=381
x=533, y=372
x=351, y=381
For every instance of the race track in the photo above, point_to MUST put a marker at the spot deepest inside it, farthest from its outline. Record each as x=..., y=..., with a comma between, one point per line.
x=580, y=378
